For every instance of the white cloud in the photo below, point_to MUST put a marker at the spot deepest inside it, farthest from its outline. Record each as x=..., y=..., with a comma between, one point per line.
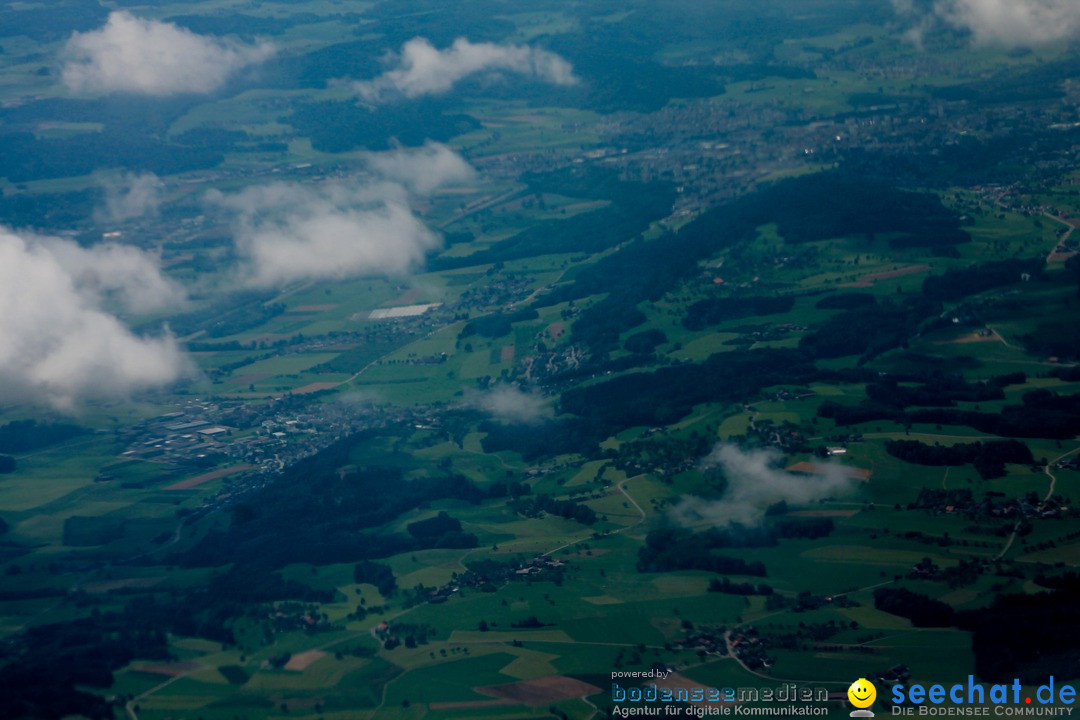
x=511, y=405
x=343, y=228
x=60, y=345
x=423, y=170
x=1003, y=22
x=130, y=54
x=129, y=196
x=116, y=273
x=425, y=70
x=754, y=481
x=287, y=231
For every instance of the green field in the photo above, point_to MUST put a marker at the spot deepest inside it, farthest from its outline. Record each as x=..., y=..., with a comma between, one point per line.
x=744, y=349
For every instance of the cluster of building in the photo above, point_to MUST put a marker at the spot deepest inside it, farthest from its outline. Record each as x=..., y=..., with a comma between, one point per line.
x=501, y=290
x=288, y=616
x=709, y=640
x=992, y=504
x=746, y=645
x=267, y=435
x=488, y=577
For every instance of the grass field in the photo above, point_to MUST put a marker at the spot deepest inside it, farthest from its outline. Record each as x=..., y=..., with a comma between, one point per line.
x=91, y=528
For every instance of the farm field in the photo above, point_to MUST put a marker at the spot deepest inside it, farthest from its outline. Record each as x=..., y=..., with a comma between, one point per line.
x=444, y=360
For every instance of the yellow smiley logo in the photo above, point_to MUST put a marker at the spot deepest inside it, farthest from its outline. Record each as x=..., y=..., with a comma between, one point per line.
x=862, y=693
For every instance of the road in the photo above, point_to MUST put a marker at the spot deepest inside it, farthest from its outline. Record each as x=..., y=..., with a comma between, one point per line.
x=915, y=433
x=1053, y=479
x=613, y=532
x=999, y=336
x=130, y=707
x=133, y=715
x=621, y=489
x=1009, y=542
x=1049, y=494
x=731, y=650
x=1063, y=239
x=481, y=206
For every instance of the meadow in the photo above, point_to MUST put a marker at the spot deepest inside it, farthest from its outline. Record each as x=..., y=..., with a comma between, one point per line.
x=93, y=532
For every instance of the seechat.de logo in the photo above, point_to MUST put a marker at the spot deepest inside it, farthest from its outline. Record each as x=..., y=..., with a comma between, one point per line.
x=862, y=694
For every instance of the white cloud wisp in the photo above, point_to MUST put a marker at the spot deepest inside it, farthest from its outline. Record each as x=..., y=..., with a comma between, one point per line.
x=423, y=69
x=1001, y=22
x=286, y=231
x=130, y=54
x=423, y=170
x=345, y=228
x=129, y=196
x=60, y=345
x=513, y=406
x=753, y=483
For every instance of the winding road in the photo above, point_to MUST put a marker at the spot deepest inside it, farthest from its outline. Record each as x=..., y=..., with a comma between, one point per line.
x=1049, y=494
x=613, y=532
x=1053, y=479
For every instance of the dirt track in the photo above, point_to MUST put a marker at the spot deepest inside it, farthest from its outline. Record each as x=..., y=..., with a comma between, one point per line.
x=869, y=279
x=207, y=477
x=541, y=691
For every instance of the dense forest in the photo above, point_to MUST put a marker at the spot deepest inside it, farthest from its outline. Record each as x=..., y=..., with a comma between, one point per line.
x=868, y=331
x=632, y=206
x=536, y=505
x=957, y=283
x=672, y=548
x=989, y=458
x=558, y=437
x=1026, y=636
x=339, y=126
x=768, y=533
x=53, y=22
x=642, y=255
x=667, y=394
x=21, y=436
x=939, y=390
x=52, y=666
x=716, y=310
x=377, y=574
x=343, y=506
x=806, y=209
x=31, y=158
x=921, y=610
x=1041, y=414
x=496, y=324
